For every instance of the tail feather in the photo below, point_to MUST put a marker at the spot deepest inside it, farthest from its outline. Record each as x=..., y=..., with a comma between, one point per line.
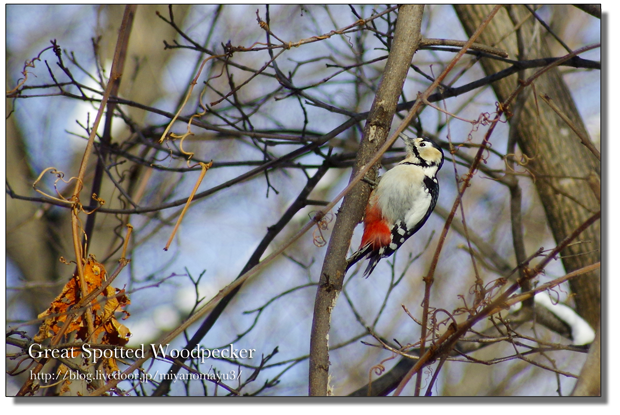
x=358, y=256
x=372, y=263
x=365, y=252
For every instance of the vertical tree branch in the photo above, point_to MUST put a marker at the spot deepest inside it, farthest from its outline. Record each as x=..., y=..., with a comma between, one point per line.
x=516, y=199
x=589, y=383
x=406, y=40
x=121, y=45
x=118, y=65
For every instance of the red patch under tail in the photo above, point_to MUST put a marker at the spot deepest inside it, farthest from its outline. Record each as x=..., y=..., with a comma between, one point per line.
x=376, y=230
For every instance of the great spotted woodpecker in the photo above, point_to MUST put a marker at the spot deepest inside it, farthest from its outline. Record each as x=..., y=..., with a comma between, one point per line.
x=401, y=202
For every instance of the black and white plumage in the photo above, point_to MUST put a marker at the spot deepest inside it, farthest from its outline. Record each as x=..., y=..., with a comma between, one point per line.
x=401, y=203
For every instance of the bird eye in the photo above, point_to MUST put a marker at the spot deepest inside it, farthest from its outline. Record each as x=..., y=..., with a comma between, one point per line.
x=422, y=144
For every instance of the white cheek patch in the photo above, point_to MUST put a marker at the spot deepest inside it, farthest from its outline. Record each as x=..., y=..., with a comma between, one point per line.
x=431, y=154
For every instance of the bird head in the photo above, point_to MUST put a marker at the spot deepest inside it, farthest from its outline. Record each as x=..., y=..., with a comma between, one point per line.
x=424, y=150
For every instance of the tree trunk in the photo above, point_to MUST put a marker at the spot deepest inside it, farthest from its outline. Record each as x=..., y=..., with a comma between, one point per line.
x=554, y=151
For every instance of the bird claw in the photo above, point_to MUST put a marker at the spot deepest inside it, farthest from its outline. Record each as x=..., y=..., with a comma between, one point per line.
x=372, y=183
